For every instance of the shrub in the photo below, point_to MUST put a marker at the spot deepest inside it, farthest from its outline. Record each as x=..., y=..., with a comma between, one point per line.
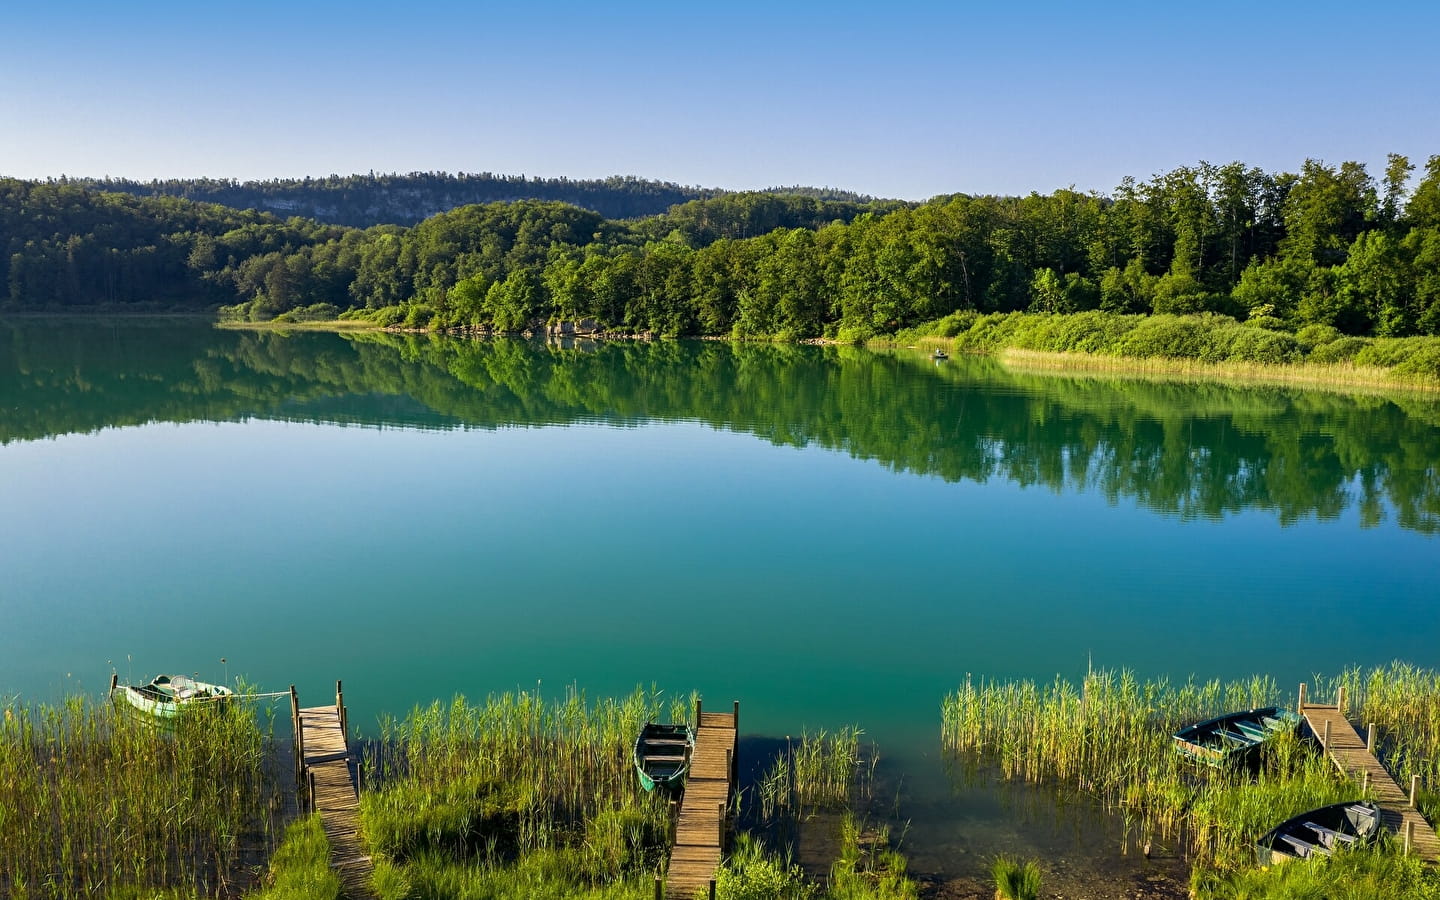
x=1312, y=336
x=1339, y=351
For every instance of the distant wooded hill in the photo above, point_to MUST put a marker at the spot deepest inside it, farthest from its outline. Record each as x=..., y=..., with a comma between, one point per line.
x=364, y=200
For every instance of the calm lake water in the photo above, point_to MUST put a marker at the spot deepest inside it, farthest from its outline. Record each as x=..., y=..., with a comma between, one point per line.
x=831, y=535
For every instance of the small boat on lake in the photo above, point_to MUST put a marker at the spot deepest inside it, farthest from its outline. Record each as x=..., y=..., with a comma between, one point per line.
x=662, y=755
x=1234, y=737
x=167, y=696
x=1320, y=832
x=941, y=354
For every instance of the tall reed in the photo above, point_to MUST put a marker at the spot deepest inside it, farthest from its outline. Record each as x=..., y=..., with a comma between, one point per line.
x=821, y=771
x=99, y=800
x=515, y=775
x=1110, y=739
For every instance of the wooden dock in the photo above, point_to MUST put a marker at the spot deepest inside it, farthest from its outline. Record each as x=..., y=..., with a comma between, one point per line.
x=1355, y=757
x=322, y=771
x=703, y=823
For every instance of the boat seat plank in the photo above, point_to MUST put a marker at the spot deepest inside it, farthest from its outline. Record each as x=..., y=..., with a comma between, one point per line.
x=1331, y=833
x=1304, y=847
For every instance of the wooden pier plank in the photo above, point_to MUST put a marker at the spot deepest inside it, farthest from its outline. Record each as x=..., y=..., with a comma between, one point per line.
x=327, y=761
x=1348, y=751
x=697, y=850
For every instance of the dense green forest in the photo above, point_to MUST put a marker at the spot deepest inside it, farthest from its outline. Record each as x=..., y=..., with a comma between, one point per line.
x=1197, y=451
x=360, y=201
x=1327, y=246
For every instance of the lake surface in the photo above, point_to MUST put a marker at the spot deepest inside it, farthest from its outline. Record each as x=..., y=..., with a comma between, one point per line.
x=831, y=535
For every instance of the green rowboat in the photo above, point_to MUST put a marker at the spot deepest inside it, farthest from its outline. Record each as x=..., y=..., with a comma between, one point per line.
x=168, y=696
x=662, y=755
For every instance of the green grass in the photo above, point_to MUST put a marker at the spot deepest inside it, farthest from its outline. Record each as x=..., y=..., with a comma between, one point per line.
x=1015, y=879
x=300, y=868
x=1367, y=874
x=91, y=796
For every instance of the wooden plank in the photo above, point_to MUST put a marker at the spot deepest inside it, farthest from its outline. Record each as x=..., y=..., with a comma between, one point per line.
x=697, y=849
x=327, y=758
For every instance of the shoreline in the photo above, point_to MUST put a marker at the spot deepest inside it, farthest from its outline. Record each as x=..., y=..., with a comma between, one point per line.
x=1334, y=377
x=1338, y=377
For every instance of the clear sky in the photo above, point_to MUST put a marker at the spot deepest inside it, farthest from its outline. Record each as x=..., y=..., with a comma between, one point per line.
x=886, y=97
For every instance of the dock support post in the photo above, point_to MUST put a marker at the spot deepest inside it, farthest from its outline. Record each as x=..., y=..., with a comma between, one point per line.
x=659, y=888
x=1414, y=790
x=1325, y=741
x=1370, y=738
x=299, y=738
x=1340, y=701
x=1364, y=782
x=1302, y=698
x=721, y=836
x=697, y=713
x=114, y=681
x=310, y=783
x=1409, y=836
x=340, y=711
x=735, y=755
x=712, y=889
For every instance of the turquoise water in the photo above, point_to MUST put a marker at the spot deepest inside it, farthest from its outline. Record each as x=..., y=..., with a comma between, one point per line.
x=829, y=535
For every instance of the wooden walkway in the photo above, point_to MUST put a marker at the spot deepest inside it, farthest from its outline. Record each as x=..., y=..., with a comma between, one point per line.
x=1350, y=753
x=701, y=827
x=322, y=757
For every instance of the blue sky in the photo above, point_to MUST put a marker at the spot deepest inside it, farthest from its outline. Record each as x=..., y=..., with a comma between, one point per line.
x=890, y=98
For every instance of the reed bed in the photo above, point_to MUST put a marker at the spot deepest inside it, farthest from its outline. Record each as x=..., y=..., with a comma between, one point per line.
x=824, y=771
x=94, y=800
x=494, y=793
x=1109, y=739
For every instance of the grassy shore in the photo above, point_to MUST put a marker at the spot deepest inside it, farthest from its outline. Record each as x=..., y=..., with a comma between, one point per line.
x=289, y=325
x=1346, y=377
x=1156, y=346
x=1194, y=346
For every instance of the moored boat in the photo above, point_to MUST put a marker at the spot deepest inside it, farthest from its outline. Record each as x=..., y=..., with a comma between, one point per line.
x=662, y=755
x=1234, y=737
x=941, y=354
x=167, y=696
x=1320, y=832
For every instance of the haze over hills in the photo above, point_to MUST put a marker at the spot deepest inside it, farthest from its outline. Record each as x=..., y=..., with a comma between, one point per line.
x=360, y=201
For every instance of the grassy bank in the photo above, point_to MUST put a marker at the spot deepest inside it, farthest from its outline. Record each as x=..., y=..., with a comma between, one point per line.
x=97, y=802
x=1193, y=345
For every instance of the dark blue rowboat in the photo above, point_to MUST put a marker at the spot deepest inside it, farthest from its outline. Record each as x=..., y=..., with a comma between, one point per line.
x=1320, y=832
x=1234, y=737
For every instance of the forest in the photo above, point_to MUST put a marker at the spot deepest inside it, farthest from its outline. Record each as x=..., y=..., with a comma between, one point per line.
x=360, y=201
x=1330, y=246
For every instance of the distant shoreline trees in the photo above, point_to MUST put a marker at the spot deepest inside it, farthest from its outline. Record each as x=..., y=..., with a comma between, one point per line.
x=1327, y=246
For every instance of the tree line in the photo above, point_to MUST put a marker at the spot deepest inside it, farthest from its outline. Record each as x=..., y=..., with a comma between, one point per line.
x=1329, y=245
x=360, y=201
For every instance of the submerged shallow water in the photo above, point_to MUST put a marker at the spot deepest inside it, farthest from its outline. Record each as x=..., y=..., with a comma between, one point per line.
x=830, y=535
